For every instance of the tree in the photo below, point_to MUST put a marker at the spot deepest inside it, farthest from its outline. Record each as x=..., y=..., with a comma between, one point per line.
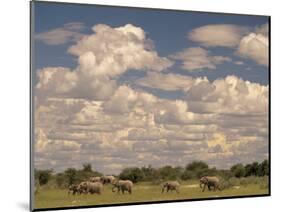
x=149, y=173
x=87, y=167
x=199, y=168
x=134, y=174
x=196, y=165
x=263, y=168
x=43, y=176
x=255, y=168
x=170, y=173
x=248, y=170
x=238, y=170
x=187, y=175
x=71, y=175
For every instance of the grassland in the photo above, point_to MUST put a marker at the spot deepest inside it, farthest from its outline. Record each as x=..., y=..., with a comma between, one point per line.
x=142, y=192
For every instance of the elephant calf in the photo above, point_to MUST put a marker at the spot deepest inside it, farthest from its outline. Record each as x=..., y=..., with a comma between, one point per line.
x=123, y=185
x=210, y=181
x=171, y=186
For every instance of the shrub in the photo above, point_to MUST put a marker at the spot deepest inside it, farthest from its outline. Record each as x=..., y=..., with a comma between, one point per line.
x=234, y=181
x=71, y=176
x=225, y=184
x=187, y=175
x=238, y=170
x=196, y=165
x=43, y=176
x=134, y=174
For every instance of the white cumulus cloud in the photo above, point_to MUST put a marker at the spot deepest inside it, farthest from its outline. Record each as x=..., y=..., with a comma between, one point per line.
x=254, y=46
x=102, y=57
x=112, y=51
x=224, y=35
x=197, y=58
x=69, y=32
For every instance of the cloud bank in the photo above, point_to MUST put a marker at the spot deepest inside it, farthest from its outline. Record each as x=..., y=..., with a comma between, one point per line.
x=85, y=115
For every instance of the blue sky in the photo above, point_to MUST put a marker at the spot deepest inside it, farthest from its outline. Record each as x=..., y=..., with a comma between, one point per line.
x=167, y=29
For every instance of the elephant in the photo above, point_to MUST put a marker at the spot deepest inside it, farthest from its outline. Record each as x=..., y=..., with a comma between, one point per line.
x=123, y=185
x=74, y=189
x=90, y=187
x=170, y=186
x=107, y=179
x=210, y=181
x=95, y=179
x=95, y=188
x=83, y=187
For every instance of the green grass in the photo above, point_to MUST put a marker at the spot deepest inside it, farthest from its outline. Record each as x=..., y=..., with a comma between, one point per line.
x=142, y=192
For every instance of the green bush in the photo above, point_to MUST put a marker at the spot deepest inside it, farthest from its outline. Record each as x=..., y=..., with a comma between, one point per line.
x=234, y=181
x=43, y=176
x=238, y=170
x=134, y=174
x=225, y=184
x=187, y=175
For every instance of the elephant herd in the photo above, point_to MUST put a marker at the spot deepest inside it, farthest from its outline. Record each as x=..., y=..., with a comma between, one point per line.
x=95, y=185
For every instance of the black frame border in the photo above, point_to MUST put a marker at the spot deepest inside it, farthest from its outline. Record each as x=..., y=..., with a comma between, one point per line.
x=31, y=112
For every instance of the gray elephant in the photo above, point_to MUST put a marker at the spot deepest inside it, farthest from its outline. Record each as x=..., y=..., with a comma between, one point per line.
x=123, y=185
x=171, y=186
x=109, y=179
x=95, y=179
x=95, y=188
x=210, y=182
x=90, y=187
x=74, y=189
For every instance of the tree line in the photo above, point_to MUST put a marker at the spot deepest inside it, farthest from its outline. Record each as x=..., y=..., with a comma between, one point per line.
x=193, y=170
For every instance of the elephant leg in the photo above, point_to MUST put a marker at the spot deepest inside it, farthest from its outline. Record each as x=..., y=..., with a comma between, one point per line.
x=204, y=188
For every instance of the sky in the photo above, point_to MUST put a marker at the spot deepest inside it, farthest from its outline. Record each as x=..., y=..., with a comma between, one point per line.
x=118, y=87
